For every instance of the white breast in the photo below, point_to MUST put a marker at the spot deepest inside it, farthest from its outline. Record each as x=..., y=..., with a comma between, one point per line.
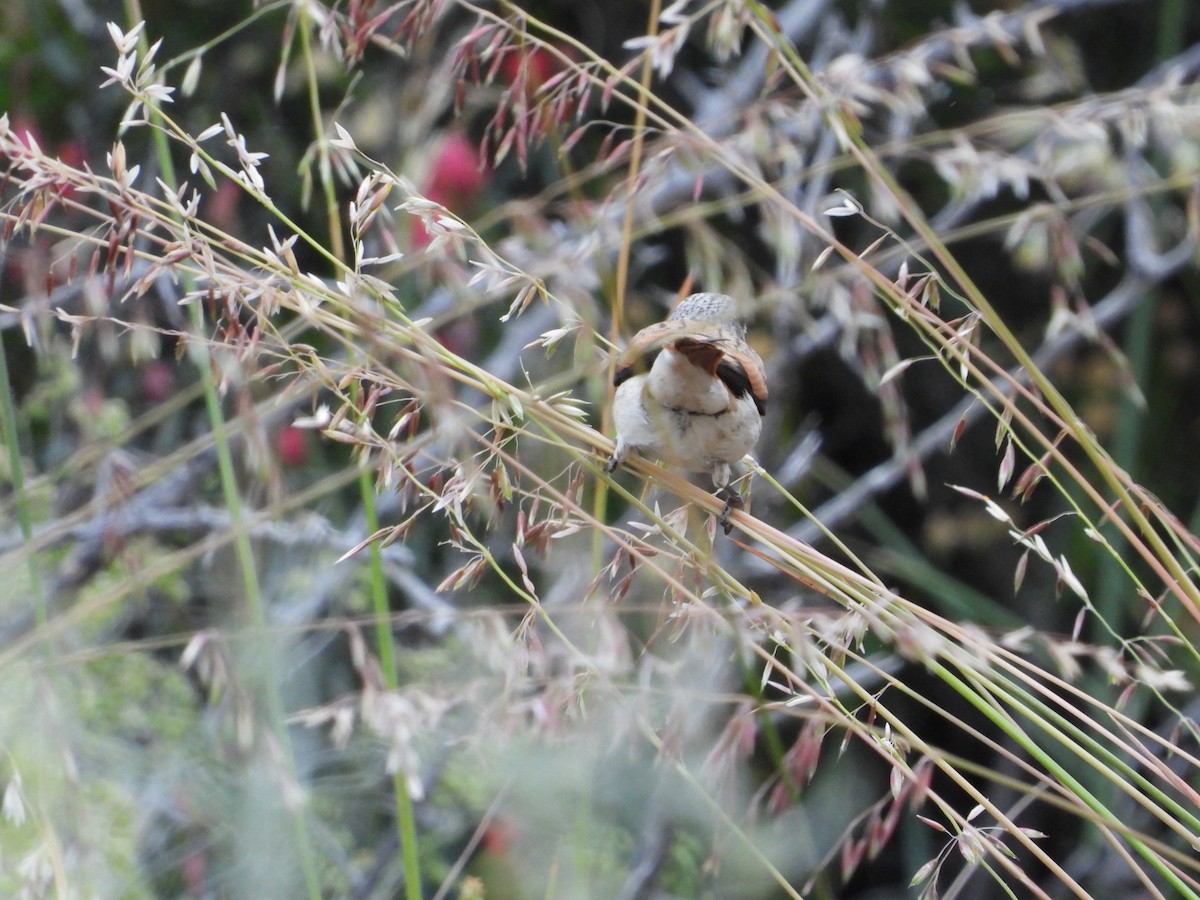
x=697, y=442
x=676, y=383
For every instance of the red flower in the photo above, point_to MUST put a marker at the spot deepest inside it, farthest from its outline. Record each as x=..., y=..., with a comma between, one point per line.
x=454, y=180
x=498, y=837
x=456, y=176
x=158, y=382
x=538, y=66
x=291, y=446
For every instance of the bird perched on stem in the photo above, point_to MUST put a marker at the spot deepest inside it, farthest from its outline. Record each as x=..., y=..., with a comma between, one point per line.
x=691, y=392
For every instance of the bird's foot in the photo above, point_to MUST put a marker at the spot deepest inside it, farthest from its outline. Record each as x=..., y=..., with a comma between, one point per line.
x=611, y=465
x=733, y=500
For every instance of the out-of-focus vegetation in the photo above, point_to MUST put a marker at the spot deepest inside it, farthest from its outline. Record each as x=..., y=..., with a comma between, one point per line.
x=314, y=584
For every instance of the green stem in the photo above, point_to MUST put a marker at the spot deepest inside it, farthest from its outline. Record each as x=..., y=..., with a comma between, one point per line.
x=324, y=166
x=990, y=708
x=10, y=432
x=243, y=549
x=385, y=644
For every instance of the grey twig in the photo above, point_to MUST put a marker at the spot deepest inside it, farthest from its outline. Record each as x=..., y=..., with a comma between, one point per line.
x=936, y=438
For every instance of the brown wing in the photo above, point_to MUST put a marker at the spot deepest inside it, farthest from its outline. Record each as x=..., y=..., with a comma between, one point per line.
x=723, y=353
x=742, y=372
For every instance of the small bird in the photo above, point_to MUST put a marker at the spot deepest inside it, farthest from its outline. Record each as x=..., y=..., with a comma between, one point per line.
x=692, y=393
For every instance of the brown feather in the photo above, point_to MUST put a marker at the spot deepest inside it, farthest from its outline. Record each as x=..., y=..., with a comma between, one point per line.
x=701, y=351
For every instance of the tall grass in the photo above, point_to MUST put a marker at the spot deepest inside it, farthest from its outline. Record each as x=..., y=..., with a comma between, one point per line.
x=316, y=584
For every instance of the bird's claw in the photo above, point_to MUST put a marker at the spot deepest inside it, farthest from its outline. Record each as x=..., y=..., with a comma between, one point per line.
x=733, y=500
x=611, y=465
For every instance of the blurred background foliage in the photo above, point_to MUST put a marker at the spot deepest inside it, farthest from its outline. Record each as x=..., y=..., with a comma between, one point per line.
x=160, y=740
